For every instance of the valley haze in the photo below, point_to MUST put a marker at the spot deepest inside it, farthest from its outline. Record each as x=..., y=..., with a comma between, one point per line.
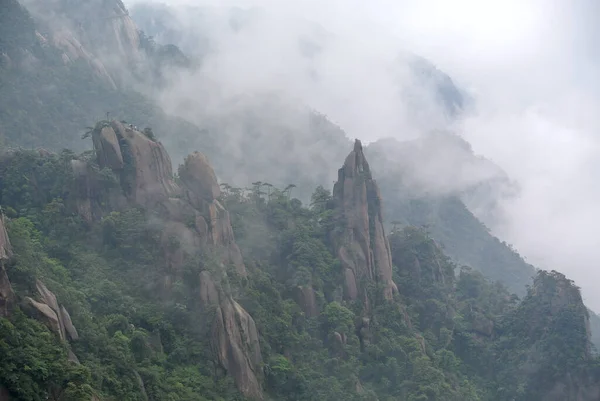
x=529, y=68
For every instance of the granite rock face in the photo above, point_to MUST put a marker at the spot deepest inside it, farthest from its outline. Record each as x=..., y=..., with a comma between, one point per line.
x=48, y=310
x=191, y=218
x=234, y=338
x=361, y=243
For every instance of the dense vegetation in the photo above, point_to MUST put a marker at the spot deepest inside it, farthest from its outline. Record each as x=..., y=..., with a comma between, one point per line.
x=446, y=337
x=454, y=332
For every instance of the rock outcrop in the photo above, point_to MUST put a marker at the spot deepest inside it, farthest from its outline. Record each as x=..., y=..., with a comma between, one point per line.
x=7, y=295
x=234, y=338
x=192, y=218
x=47, y=310
x=192, y=213
x=360, y=243
x=200, y=178
x=147, y=174
x=107, y=148
x=201, y=190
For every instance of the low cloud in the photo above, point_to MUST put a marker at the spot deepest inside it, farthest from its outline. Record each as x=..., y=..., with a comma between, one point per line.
x=529, y=69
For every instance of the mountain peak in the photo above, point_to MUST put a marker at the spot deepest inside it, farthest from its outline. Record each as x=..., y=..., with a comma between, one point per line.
x=357, y=145
x=362, y=246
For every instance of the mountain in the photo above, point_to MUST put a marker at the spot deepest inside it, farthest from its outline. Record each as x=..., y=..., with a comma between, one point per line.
x=244, y=277
x=121, y=280
x=65, y=64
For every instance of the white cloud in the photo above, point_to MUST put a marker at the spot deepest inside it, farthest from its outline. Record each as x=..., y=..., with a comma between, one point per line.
x=530, y=66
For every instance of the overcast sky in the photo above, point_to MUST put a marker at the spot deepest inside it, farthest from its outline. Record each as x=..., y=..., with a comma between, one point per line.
x=532, y=68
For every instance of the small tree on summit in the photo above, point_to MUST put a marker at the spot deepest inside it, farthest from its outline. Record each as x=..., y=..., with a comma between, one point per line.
x=288, y=190
x=88, y=132
x=149, y=133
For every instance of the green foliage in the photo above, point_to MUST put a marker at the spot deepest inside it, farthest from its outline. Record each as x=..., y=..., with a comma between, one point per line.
x=34, y=365
x=144, y=335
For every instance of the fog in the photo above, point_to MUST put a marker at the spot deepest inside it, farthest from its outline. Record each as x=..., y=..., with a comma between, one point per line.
x=529, y=68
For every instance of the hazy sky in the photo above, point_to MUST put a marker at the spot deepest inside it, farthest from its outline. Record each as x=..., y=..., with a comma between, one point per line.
x=530, y=65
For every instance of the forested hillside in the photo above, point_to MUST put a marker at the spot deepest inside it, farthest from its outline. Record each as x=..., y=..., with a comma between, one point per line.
x=250, y=252
x=51, y=93
x=123, y=281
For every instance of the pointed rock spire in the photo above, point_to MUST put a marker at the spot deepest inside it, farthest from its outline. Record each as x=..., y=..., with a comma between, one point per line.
x=361, y=246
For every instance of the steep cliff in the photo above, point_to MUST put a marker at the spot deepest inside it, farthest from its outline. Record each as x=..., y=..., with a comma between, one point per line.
x=202, y=191
x=88, y=31
x=234, y=338
x=147, y=174
x=361, y=244
x=193, y=219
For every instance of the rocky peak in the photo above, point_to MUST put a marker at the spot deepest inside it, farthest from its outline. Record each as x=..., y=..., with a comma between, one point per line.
x=360, y=243
x=7, y=295
x=149, y=177
x=201, y=190
x=199, y=177
x=145, y=173
x=193, y=216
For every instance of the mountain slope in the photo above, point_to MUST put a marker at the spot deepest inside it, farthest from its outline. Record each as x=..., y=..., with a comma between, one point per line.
x=127, y=284
x=53, y=86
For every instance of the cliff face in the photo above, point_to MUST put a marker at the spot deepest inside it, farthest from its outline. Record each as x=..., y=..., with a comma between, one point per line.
x=146, y=177
x=361, y=244
x=234, y=337
x=193, y=216
x=87, y=31
x=7, y=295
x=201, y=190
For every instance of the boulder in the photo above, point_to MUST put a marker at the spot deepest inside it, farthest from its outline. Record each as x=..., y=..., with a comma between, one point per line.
x=51, y=313
x=47, y=296
x=70, y=329
x=44, y=314
x=360, y=243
